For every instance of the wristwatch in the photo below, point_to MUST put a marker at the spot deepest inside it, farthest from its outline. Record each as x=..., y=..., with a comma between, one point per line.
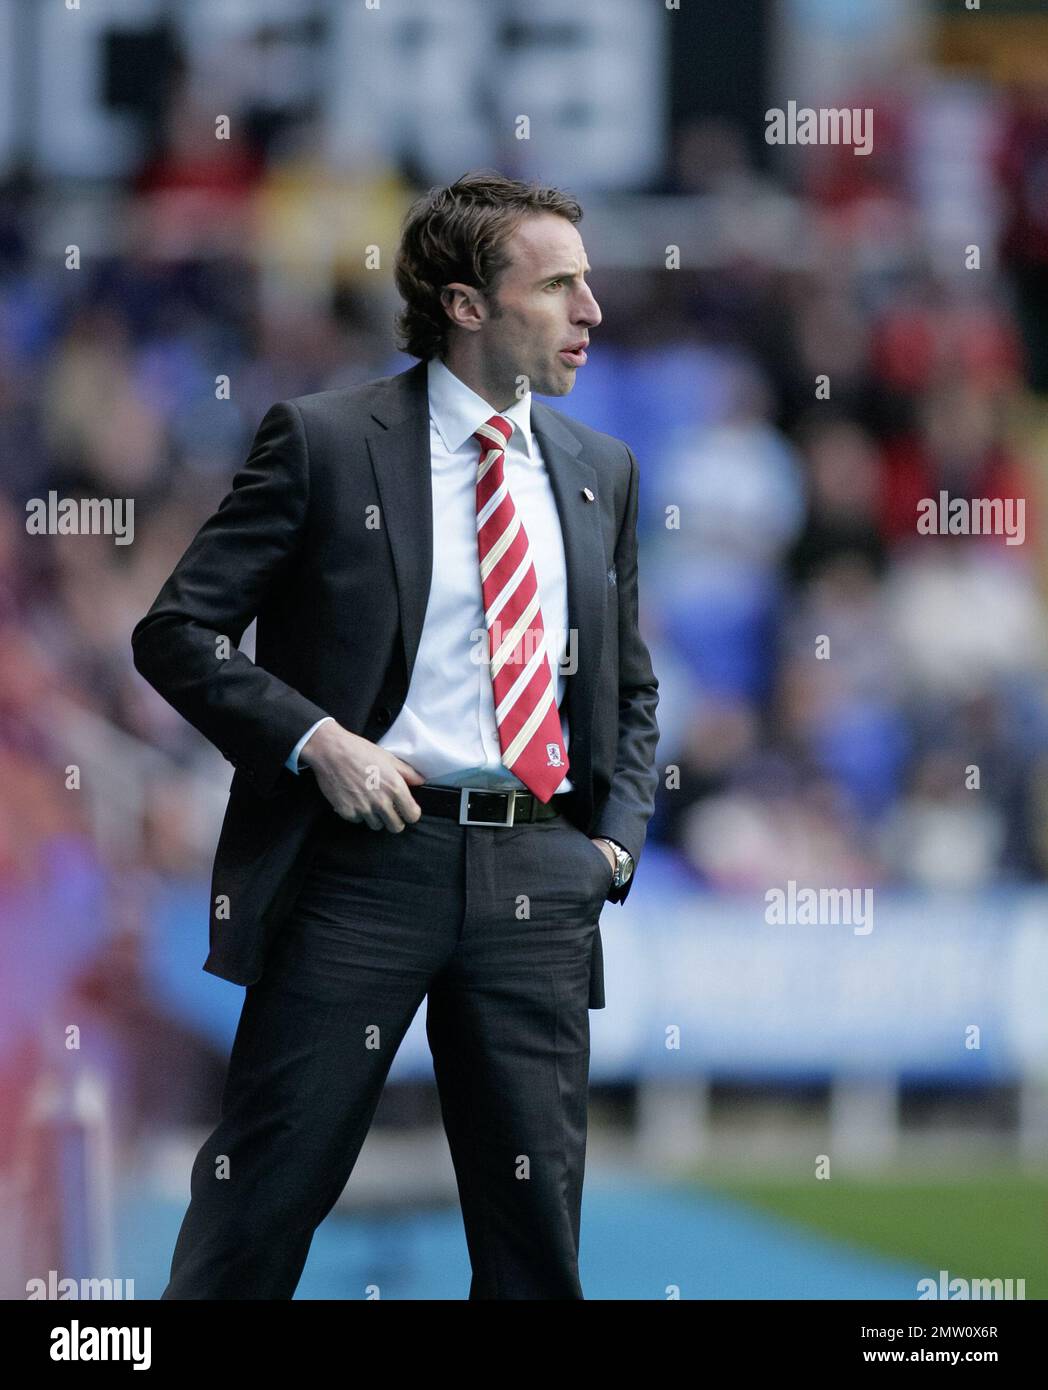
x=623, y=863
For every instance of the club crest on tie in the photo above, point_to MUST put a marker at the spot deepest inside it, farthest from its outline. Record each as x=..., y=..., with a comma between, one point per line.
x=553, y=758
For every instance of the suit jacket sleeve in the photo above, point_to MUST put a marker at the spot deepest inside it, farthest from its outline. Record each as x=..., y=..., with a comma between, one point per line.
x=630, y=803
x=216, y=589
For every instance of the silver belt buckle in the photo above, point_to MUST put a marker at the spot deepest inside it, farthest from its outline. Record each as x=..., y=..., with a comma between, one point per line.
x=464, y=818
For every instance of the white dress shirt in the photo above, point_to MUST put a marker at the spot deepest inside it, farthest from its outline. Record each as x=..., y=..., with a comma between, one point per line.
x=446, y=727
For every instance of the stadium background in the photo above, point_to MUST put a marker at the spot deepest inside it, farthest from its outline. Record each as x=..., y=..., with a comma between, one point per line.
x=144, y=262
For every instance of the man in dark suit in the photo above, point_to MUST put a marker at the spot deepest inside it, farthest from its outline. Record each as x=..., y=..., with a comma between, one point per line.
x=444, y=755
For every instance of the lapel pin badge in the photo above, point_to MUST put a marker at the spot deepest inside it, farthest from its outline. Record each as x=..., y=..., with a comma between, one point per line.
x=587, y=494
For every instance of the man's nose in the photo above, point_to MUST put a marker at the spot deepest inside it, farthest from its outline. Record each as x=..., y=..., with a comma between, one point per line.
x=588, y=310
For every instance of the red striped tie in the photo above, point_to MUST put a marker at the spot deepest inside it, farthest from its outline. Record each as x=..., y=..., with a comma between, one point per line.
x=525, y=695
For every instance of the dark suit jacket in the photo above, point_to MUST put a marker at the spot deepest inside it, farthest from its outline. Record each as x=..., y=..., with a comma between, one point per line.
x=326, y=537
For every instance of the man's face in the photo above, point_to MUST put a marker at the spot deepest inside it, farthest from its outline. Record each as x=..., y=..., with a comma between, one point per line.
x=541, y=306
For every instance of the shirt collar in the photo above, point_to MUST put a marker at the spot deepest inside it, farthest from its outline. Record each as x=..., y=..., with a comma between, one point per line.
x=457, y=410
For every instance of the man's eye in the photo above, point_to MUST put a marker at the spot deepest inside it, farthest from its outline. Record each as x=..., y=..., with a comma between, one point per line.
x=555, y=282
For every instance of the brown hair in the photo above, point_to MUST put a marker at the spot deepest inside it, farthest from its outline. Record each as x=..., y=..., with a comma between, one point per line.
x=460, y=233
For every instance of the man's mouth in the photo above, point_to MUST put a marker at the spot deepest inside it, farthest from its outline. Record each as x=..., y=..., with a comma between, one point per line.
x=576, y=354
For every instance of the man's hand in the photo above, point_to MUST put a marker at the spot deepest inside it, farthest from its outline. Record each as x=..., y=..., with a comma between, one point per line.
x=608, y=855
x=361, y=780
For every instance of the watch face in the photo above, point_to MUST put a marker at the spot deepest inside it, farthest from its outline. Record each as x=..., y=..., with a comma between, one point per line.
x=623, y=867
x=623, y=864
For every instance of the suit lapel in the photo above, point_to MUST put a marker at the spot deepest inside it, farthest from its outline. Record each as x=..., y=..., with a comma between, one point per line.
x=584, y=561
x=398, y=443
x=399, y=446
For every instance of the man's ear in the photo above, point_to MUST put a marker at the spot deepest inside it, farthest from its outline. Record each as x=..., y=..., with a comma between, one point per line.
x=466, y=300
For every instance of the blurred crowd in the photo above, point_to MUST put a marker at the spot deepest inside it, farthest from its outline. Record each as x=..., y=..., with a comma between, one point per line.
x=843, y=700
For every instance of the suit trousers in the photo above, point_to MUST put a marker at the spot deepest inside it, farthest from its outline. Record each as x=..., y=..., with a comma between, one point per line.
x=493, y=926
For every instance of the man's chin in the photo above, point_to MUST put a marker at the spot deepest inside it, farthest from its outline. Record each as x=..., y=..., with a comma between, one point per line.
x=558, y=385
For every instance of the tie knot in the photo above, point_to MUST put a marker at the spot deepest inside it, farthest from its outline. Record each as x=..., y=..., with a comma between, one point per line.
x=494, y=432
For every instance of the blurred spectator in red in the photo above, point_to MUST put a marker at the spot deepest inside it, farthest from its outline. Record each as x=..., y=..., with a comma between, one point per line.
x=1023, y=170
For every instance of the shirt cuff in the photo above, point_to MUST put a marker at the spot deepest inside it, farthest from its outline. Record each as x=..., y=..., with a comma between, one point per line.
x=292, y=761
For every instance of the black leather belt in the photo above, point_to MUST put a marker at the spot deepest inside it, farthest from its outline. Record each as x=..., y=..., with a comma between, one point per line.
x=485, y=806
